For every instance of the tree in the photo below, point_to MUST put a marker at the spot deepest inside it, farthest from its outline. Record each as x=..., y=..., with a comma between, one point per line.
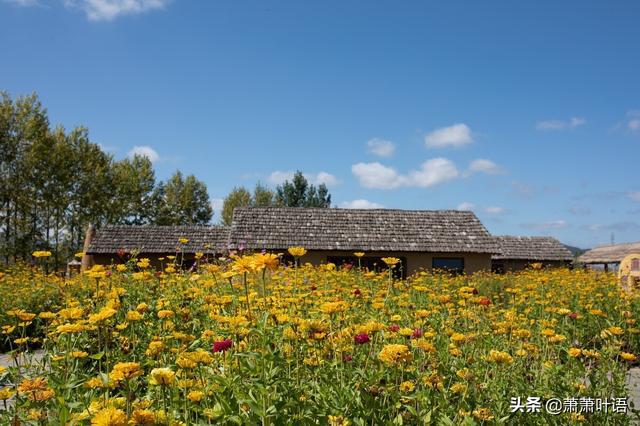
x=238, y=197
x=299, y=193
x=182, y=201
x=263, y=196
x=134, y=181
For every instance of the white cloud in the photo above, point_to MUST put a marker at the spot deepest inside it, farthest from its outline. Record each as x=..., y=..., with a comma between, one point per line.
x=279, y=177
x=494, y=210
x=482, y=165
x=466, y=206
x=23, y=3
x=360, y=204
x=554, y=224
x=432, y=172
x=634, y=196
x=326, y=178
x=572, y=123
x=381, y=147
x=216, y=205
x=453, y=136
x=375, y=175
x=145, y=151
x=107, y=10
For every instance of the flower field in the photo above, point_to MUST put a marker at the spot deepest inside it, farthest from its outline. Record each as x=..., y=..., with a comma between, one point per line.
x=248, y=341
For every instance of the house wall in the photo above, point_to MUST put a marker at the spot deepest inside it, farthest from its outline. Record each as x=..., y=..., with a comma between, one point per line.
x=154, y=258
x=416, y=261
x=514, y=265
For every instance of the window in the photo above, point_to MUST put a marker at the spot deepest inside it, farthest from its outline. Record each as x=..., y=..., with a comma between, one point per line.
x=455, y=265
x=371, y=263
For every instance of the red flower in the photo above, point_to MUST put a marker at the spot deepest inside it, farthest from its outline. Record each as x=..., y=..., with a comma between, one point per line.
x=484, y=301
x=474, y=291
x=313, y=287
x=347, y=358
x=573, y=315
x=357, y=292
x=362, y=338
x=222, y=345
x=417, y=333
x=394, y=327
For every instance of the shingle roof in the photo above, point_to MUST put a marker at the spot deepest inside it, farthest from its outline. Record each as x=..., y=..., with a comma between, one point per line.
x=159, y=239
x=531, y=248
x=609, y=254
x=277, y=228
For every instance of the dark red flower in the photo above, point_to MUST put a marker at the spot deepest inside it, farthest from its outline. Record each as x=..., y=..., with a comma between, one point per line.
x=346, y=357
x=573, y=315
x=484, y=301
x=121, y=252
x=474, y=291
x=222, y=345
x=357, y=292
x=313, y=287
x=417, y=333
x=362, y=338
x=394, y=327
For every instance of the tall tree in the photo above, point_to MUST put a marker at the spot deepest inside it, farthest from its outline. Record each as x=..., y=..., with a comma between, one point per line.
x=182, y=201
x=262, y=196
x=299, y=193
x=238, y=197
x=135, y=182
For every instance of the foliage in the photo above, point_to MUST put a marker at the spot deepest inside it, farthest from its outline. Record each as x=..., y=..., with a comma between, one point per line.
x=247, y=341
x=53, y=183
x=299, y=193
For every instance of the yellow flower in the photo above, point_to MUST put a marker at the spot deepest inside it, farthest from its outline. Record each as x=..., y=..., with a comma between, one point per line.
x=391, y=261
x=628, y=357
x=458, y=388
x=109, y=416
x=125, y=371
x=338, y=421
x=103, y=315
x=41, y=254
x=483, y=414
x=358, y=254
x=393, y=354
x=499, y=357
x=407, y=387
x=162, y=376
x=195, y=396
x=121, y=267
x=574, y=352
x=183, y=240
x=297, y=251
x=79, y=255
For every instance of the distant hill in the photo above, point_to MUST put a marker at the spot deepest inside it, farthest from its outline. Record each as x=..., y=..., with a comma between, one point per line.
x=576, y=251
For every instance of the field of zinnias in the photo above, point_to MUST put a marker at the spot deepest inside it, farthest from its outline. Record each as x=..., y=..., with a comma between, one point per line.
x=248, y=341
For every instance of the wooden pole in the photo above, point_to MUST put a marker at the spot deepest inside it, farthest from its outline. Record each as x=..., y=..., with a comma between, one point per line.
x=87, y=260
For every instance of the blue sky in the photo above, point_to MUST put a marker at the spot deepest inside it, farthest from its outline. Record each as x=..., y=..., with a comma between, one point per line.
x=528, y=113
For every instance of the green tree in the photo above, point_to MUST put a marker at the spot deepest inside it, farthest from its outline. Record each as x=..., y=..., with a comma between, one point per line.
x=135, y=183
x=182, y=201
x=299, y=193
x=238, y=197
x=263, y=196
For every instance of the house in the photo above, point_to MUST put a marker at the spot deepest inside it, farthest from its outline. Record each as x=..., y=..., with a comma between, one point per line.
x=517, y=253
x=422, y=239
x=116, y=243
x=608, y=255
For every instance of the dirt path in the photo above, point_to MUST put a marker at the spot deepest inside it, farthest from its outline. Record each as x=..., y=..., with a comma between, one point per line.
x=33, y=361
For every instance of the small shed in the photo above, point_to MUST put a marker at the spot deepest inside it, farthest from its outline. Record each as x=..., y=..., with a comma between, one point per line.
x=607, y=256
x=517, y=253
x=116, y=243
